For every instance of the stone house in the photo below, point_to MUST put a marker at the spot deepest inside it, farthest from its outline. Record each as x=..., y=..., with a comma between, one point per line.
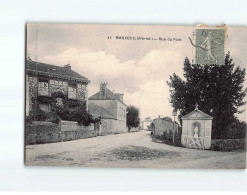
x=114, y=105
x=107, y=124
x=160, y=126
x=44, y=80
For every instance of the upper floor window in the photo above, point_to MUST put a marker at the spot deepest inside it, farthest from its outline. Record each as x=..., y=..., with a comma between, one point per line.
x=58, y=83
x=72, y=92
x=81, y=86
x=43, y=88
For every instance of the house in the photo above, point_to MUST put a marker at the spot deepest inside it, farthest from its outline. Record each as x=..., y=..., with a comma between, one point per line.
x=146, y=123
x=114, y=105
x=107, y=124
x=162, y=125
x=48, y=85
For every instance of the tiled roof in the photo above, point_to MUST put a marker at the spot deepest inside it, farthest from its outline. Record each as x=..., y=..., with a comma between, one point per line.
x=54, y=71
x=98, y=111
x=109, y=96
x=147, y=120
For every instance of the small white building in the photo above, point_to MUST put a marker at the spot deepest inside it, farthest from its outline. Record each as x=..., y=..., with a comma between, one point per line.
x=196, y=130
x=146, y=123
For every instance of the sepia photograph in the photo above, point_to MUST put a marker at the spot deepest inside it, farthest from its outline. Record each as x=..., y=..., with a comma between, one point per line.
x=135, y=96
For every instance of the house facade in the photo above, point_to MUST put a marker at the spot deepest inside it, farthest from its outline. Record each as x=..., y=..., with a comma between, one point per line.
x=107, y=124
x=113, y=104
x=145, y=124
x=48, y=84
x=160, y=126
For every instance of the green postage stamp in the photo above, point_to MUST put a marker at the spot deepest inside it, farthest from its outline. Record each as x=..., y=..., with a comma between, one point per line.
x=210, y=44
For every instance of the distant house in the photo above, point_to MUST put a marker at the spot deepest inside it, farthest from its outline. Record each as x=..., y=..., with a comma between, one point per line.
x=114, y=105
x=146, y=123
x=45, y=80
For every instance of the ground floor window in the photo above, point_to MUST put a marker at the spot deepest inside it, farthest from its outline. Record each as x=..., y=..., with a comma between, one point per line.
x=44, y=107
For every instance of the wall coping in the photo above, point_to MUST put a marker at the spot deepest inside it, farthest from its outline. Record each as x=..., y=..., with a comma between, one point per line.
x=43, y=123
x=228, y=139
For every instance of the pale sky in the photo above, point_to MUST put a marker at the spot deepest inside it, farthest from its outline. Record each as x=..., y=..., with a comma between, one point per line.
x=137, y=68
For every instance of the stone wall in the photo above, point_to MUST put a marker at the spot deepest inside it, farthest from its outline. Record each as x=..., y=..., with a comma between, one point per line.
x=108, y=126
x=134, y=129
x=32, y=92
x=228, y=144
x=46, y=132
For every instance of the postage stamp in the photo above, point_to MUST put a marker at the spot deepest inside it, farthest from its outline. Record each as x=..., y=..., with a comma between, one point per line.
x=210, y=44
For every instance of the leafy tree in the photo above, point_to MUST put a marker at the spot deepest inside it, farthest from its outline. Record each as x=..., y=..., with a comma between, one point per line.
x=133, y=119
x=167, y=118
x=218, y=89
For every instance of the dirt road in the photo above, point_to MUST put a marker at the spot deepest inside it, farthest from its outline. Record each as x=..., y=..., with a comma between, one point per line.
x=129, y=150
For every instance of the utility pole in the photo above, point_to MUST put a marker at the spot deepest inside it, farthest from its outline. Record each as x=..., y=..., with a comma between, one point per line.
x=174, y=113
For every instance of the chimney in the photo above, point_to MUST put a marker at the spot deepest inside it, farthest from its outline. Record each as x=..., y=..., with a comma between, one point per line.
x=102, y=90
x=67, y=67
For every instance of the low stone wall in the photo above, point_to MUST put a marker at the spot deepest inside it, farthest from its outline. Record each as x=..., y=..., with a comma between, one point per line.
x=134, y=129
x=228, y=144
x=46, y=132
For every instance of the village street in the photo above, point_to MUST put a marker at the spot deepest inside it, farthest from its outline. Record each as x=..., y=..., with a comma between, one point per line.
x=130, y=150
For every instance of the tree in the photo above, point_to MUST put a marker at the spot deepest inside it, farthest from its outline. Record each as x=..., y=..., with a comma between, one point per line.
x=133, y=119
x=167, y=118
x=218, y=89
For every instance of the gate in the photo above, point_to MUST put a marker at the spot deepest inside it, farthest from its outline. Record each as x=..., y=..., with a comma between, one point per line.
x=197, y=143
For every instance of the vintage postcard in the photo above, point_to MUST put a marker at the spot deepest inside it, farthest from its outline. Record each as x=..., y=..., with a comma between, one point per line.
x=135, y=96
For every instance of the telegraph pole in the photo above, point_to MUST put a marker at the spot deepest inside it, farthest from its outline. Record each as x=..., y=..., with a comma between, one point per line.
x=174, y=113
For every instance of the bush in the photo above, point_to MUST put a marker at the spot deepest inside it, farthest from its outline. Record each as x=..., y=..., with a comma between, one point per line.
x=79, y=115
x=167, y=137
x=41, y=115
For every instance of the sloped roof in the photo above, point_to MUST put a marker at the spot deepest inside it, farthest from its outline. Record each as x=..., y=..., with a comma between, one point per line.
x=109, y=96
x=98, y=111
x=147, y=120
x=197, y=114
x=53, y=71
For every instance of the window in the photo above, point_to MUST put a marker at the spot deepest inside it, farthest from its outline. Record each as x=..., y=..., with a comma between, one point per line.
x=83, y=87
x=44, y=107
x=43, y=88
x=72, y=92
